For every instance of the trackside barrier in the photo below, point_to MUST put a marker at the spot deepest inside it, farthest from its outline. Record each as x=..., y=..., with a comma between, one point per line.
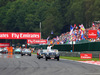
x=95, y=54
x=91, y=46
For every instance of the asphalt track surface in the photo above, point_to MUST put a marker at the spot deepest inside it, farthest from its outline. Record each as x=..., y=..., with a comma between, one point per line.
x=30, y=65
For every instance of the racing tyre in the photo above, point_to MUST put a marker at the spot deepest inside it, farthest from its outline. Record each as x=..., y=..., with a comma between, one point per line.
x=46, y=59
x=57, y=59
x=30, y=55
x=38, y=57
x=21, y=54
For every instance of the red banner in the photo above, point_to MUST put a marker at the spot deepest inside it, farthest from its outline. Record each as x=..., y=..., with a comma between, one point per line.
x=11, y=35
x=85, y=56
x=37, y=41
x=4, y=44
x=92, y=34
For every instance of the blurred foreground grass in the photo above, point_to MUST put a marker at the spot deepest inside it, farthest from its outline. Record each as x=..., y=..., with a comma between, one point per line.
x=78, y=58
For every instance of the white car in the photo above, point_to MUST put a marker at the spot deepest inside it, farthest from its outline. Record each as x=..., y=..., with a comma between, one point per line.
x=1, y=50
x=26, y=52
x=4, y=50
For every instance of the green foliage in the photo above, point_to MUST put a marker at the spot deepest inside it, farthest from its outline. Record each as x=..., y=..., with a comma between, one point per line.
x=56, y=15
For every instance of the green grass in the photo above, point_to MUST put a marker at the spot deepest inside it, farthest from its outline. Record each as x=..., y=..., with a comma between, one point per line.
x=34, y=53
x=78, y=58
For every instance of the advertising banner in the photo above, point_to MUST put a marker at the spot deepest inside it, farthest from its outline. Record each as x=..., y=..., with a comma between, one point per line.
x=4, y=45
x=85, y=56
x=11, y=35
x=29, y=41
x=92, y=34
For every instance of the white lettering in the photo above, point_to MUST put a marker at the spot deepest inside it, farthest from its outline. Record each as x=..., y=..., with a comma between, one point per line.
x=37, y=41
x=4, y=35
x=4, y=44
x=21, y=35
x=14, y=35
x=92, y=34
x=85, y=57
x=29, y=36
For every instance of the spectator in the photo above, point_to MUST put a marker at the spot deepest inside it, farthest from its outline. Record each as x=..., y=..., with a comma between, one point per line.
x=77, y=35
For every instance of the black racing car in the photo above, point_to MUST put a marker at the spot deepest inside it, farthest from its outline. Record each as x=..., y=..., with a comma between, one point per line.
x=41, y=53
x=53, y=54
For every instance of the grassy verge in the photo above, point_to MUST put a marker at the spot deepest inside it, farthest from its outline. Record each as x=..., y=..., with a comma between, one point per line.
x=78, y=58
x=34, y=53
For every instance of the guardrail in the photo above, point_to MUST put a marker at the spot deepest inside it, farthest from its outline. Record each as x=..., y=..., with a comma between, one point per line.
x=91, y=46
x=95, y=54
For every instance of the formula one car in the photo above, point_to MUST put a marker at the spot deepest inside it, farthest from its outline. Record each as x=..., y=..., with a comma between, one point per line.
x=4, y=51
x=26, y=52
x=1, y=50
x=41, y=53
x=17, y=51
x=53, y=54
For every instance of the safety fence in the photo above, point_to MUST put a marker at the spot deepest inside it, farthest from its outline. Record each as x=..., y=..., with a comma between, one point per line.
x=91, y=46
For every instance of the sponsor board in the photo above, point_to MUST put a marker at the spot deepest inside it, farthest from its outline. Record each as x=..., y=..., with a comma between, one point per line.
x=85, y=56
x=11, y=35
x=42, y=41
x=92, y=34
x=99, y=56
x=4, y=44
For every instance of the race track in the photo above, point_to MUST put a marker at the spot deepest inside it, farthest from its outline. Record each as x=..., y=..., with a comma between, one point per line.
x=26, y=65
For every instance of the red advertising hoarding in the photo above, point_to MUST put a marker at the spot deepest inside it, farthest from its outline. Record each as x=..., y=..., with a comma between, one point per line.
x=11, y=35
x=92, y=34
x=4, y=45
x=37, y=41
x=85, y=56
